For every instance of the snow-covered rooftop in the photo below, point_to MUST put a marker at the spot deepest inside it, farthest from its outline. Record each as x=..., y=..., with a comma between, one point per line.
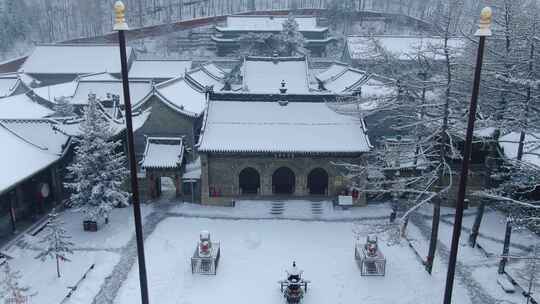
x=208, y=75
x=54, y=92
x=268, y=24
x=158, y=69
x=8, y=84
x=73, y=127
x=163, y=153
x=403, y=47
x=182, y=96
x=301, y=127
x=531, y=149
x=74, y=59
x=340, y=78
x=32, y=145
x=21, y=106
x=265, y=74
x=138, y=89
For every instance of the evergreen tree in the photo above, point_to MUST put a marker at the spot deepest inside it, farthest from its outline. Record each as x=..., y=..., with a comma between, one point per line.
x=57, y=242
x=10, y=288
x=63, y=108
x=290, y=39
x=98, y=170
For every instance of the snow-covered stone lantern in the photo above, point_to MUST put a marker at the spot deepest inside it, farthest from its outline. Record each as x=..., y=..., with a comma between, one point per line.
x=206, y=256
x=370, y=258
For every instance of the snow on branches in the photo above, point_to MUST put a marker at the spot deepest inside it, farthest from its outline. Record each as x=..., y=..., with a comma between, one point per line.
x=56, y=241
x=98, y=170
x=10, y=287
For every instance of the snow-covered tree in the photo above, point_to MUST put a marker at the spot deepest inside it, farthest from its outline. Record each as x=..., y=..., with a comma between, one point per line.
x=290, y=40
x=63, y=108
x=98, y=170
x=426, y=115
x=10, y=286
x=56, y=242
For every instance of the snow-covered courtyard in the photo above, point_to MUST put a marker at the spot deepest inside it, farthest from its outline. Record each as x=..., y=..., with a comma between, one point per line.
x=256, y=249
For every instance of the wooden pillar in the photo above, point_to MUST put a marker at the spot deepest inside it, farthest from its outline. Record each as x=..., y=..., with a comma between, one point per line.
x=152, y=186
x=57, y=186
x=178, y=185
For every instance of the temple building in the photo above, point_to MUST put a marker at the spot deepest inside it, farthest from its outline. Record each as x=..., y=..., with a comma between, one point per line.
x=271, y=148
x=226, y=37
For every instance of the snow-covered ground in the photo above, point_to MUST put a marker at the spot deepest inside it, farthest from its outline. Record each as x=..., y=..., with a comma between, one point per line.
x=255, y=254
x=257, y=247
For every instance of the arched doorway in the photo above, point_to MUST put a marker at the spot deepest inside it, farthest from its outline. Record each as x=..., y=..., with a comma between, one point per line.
x=283, y=181
x=317, y=181
x=249, y=181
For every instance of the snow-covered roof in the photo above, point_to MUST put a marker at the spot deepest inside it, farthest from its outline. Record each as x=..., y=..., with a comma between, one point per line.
x=22, y=107
x=163, y=153
x=72, y=127
x=400, y=153
x=531, y=149
x=158, y=69
x=268, y=24
x=207, y=75
x=74, y=59
x=341, y=78
x=299, y=127
x=182, y=96
x=8, y=84
x=138, y=89
x=265, y=74
x=54, y=92
x=403, y=47
x=29, y=147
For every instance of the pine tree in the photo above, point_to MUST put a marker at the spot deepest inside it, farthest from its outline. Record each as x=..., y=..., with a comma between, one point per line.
x=57, y=242
x=290, y=40
x=10, y=288
x=63, y=108
x=98, y=170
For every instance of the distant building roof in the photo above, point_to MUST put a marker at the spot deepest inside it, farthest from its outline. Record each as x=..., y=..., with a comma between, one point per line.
x=22, y=107
x=403, y=47
x=33, y=146
x=207, y=75
x=183, y=96
x=8, y=84
x=163, y=153
x=298, y=127
x=158, y=69
x=117, y=125
x=340, y=78
x=268, y=24
x=74, y=59
x=265, y=74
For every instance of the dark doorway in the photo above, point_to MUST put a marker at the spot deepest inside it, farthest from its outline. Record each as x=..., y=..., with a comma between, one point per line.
x=249, y=181
x=317, y=181
x=283, y=181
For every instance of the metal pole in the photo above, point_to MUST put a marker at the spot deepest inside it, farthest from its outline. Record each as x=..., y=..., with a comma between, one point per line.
x=460, y=202
x=121, y=26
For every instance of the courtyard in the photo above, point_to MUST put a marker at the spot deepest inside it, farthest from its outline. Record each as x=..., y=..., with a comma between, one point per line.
x=256, y=249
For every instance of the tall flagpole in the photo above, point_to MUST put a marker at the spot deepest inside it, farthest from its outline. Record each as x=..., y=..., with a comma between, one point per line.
x=121, y=26
x=483, y=32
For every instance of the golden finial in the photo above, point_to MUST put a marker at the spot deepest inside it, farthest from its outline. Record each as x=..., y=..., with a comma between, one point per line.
x=485, y=22
x=120, y=20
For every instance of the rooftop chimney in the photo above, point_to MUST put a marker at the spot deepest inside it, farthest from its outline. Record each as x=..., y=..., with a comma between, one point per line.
x=283, y=90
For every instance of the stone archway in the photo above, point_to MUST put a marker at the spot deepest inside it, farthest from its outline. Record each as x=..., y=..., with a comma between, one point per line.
x=317, y=182
x=249, y=181
x=283, y=181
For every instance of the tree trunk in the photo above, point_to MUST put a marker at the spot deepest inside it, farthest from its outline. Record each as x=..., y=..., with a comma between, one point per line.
x=57, y=265
x=476, y=226
x=434, y=235
x=506, y=246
